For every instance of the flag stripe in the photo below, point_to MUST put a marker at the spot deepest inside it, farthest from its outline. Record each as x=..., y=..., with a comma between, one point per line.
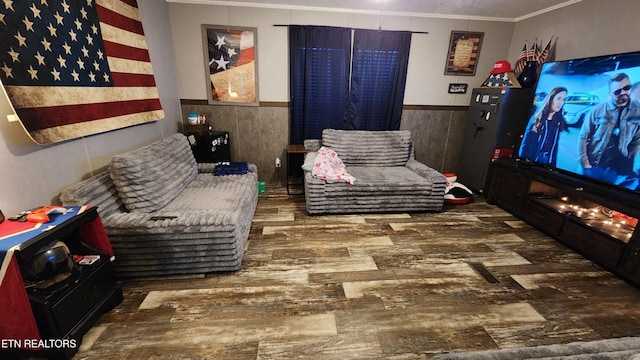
x=126, y=52
x=132, y=80
x=246, y=56
x=47, y=96
x=115, y=35
x=66, y=115
x=130, y=66
x=122, y=22
x=96, y=126
x=125, y=8
x=132, y=3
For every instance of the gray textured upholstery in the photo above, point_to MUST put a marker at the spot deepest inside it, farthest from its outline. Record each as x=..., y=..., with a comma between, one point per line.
x=369, y=148
x=149, y=177
x=98, y=190
x=388, y=178
x=211, y=215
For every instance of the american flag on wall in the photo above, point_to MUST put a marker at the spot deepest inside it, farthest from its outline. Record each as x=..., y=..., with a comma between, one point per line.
x=231, y=62
x=73, y=68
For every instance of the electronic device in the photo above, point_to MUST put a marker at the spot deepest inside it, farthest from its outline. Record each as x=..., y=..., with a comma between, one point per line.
x=587, y=83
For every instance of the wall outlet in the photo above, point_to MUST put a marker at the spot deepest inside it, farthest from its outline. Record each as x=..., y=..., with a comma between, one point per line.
x=278, y=164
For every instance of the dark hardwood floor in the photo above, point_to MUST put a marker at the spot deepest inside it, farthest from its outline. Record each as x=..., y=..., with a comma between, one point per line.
x=380, y=286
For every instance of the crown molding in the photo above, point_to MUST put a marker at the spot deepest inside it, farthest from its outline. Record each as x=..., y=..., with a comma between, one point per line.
x=363, y=11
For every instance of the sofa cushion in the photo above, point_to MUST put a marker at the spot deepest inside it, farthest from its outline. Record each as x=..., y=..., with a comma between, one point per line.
x=150, y=177
x=205, y=228
x=376, y=189
x=208, y=203
x=380, y=182
x=98, y=190
x=369, y=148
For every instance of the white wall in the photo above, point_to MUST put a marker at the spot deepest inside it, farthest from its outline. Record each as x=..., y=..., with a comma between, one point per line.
x=587, y=28
x=426, y=82
x=33, y=175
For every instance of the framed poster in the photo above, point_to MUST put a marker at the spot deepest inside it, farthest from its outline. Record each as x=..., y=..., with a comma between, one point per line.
x=463, y=53
x=231, y=64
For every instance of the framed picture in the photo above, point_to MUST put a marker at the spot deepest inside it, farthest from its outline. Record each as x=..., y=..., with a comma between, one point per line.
x=231, y=64
x=464, y=50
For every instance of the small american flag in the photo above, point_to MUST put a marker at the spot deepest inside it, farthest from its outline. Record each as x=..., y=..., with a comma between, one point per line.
x=72, y=68
x=522, y=59
x=544, y=54
x=531, y=54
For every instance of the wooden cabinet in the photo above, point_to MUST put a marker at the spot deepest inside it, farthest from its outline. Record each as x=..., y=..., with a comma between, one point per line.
x=595, y=220
x=509, y=190
x=592, y=242
x=544, y=217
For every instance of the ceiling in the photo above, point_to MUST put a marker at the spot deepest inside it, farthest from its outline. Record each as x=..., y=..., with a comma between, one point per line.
x=499, y=10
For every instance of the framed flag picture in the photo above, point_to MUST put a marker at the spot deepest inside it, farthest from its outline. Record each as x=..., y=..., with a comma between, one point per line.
x=463, y=53
x=76, y=68
x=231, y=64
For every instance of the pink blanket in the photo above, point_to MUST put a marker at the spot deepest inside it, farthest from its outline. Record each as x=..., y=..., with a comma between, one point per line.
x=328, y=167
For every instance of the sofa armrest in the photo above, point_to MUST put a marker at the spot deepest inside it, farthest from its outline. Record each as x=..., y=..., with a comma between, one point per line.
x=312, y=145
x=439, y=181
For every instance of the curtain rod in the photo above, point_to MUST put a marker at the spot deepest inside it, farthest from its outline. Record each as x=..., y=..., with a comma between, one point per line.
x=413, y=32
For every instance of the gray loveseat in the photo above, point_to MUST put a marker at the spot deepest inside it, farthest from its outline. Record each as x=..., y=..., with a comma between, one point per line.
x=166, y=214
x=387, y=177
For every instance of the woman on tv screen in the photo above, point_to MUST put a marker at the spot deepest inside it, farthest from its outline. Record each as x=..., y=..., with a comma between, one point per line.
x=540, y=142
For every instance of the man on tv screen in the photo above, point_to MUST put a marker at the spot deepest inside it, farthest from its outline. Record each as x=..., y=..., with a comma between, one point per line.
x=609, y=140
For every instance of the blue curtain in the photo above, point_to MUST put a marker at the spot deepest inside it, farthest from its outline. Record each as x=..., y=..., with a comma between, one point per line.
x=319, y=61
x=379, y=73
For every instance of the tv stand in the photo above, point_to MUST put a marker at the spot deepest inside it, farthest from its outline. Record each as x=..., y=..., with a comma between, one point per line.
x=595, y=220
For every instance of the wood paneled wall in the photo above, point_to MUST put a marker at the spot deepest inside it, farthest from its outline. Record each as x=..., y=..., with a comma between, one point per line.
x=260, y=134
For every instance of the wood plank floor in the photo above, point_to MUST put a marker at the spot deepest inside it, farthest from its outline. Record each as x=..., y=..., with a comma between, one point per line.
x=394, y=286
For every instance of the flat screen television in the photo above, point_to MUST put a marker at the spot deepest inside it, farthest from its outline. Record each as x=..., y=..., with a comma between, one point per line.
x=584, y=85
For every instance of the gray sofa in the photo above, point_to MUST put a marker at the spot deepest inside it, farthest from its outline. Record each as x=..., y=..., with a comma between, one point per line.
x=166, y=214
x=388, y=178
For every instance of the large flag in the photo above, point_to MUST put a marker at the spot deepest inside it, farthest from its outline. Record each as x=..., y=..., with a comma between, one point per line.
x=72, y=68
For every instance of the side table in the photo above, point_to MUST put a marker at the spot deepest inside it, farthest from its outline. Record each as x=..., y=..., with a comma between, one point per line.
x=294, y=150
x=49, y=322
